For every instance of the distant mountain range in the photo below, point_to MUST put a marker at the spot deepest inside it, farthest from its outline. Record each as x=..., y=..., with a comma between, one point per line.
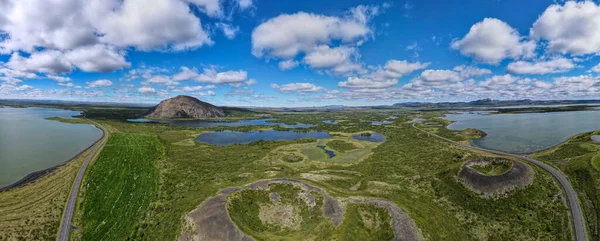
x=494, y=103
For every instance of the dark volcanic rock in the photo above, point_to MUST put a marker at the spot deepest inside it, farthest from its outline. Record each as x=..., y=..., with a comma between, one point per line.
x=185, y=107
x=519, y=176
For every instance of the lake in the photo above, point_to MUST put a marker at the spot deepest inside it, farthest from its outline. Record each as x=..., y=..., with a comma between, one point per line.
x=527, y=132
x=30, y=143
x=224, y=138
x=210, y=124
x=374, y=137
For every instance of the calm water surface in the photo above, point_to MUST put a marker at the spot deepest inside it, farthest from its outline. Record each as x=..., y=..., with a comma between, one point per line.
x=30, y=143
x=224, y=138
x=210, y=124
x=529, y=132
x=374, y=137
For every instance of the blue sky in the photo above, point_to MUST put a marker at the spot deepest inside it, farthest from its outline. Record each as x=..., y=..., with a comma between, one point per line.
x=299, y=53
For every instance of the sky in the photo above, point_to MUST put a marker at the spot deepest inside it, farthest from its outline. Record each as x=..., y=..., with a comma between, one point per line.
x=299, y=53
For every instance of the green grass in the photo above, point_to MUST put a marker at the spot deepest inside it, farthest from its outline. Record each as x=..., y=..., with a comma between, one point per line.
x=341, y=146
x=596, y=162
x=493, y=168
x=365, y=222
x=120, y=186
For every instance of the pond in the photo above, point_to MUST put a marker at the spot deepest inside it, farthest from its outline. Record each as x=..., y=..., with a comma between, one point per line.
x=210, y=124
x=224, y=138
x=378, y=123
x=528, y=132
x=29, y=143
x=331, y=154
x=330, y=122
x=373, y=137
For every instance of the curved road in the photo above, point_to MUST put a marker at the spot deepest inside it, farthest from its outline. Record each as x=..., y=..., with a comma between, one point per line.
x=65, y=224
x=572, y=199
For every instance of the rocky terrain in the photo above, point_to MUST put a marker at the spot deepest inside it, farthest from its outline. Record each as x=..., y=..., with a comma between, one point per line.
x=185, y=107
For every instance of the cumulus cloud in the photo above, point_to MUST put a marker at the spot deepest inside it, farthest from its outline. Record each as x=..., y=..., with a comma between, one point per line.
x=195, y=88
x=301, y=88
x=99, y=83
x=251, y=82
x=596, y=68
x=244, y=4
x=60, y=79
x=288, y=64
x=50, y=61
x=211, y=75
x=228, y=30
x=355, y=82
x=168, y=24
x=211, y=8
x=160, y=80
x=146, y=90
x=289, y=34
x=97, y=58
x=557, y=65
x=399, y=68
x=572, y=28
x=471, y=71
x=340, y=59
x=493, y=40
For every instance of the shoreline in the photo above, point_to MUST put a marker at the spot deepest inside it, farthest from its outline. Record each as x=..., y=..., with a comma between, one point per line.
x=34, y=176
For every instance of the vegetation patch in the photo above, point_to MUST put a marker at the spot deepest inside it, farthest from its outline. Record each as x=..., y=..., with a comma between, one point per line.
x=284, y=209
x=596, y=162
x=341, y=146
x=120, y=186
x=494, y=178
x=494, y=167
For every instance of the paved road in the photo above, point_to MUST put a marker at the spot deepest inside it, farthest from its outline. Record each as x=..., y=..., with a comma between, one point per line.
x=572, y=199
x=65, y=224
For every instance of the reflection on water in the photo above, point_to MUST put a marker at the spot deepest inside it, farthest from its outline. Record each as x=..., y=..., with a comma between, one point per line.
x=224, y=138
x=210, y=124
x=373, y=137
x=528, y=132
x=29, y=143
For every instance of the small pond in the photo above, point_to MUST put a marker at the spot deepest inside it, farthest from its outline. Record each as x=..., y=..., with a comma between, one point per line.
x=378, y=123
x=331, y=154
x=330, y=122
x=224, y=138
x=210, y=124
x=374, y=137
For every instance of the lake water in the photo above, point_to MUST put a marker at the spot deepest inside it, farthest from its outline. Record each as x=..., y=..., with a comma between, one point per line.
x=528, y=132
x=224, y=138
x=30, y=143
x=210, y=124
x=330, y=153
x=374, y=137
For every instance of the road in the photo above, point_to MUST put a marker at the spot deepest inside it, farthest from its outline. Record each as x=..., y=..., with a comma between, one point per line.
x=65, y=224
x=572, y=199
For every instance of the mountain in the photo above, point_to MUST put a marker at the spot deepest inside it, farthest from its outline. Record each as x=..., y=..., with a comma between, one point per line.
x=185, y=107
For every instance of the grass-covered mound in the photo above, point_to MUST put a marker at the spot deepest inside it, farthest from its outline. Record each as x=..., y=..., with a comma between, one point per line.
x=341, y=146
x=493, y=176
x=285, y=209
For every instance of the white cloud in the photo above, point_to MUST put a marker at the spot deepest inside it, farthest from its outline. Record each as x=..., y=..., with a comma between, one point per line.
x=228, y=30
x=399, y=68
x=211, y=8
x=97, y=58
x=99, y=83
x=210, y=75
x=287, y=35
x=596, y=68
x=50, y=61
x=245, y=4
x=302, y=88
x=340, y=59
x=437, y=78
x=251, y=82
x=364, y=83
x=195, y=88
x=59, y=79
x=161, y=80
x=288, y=64
x=492, y=40
x=146, y=90
x=471, y=71
x=557, y=65
x=168, y=24
x=573, y=28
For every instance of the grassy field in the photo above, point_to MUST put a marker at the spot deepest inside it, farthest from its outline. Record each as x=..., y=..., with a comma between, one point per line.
x=415, y=171
x=120, y=186
x=577, y=158
x=341, y=146
x=33, y=212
